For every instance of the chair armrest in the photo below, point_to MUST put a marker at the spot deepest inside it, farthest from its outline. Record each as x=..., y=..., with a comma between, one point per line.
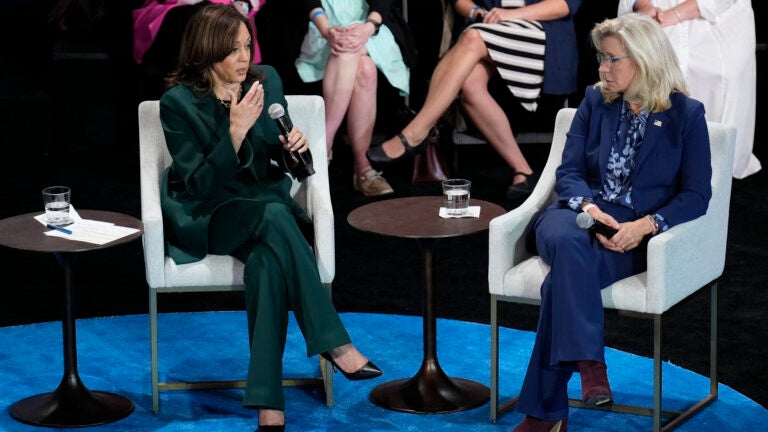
x=506, y=233
x=683, y=259
x=506, y=241
x=154, y=246
x=320, y=210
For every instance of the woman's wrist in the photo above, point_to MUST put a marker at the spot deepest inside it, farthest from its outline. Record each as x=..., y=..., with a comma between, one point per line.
x=315, y=14
x=376, y=25
x=677, y=14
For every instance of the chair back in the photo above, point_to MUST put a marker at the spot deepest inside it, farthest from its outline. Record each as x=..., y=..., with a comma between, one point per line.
x=308, y=113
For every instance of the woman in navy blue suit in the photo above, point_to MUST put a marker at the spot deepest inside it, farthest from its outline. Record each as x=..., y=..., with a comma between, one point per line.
x=637, y=159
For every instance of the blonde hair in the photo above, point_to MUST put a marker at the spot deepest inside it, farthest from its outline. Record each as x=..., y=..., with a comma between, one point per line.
x=658, y=73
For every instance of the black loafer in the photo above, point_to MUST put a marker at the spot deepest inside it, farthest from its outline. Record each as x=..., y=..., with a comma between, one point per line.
x=271, y=428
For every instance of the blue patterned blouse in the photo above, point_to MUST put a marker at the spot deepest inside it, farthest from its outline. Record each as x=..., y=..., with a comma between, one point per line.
x=617, y=187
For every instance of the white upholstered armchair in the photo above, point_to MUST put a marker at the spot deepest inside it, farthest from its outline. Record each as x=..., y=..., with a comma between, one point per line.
x=224, y=273
x=681, y=261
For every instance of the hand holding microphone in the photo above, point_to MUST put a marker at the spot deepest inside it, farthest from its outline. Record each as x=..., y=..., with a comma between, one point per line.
x=298, y=164
x=585, y=221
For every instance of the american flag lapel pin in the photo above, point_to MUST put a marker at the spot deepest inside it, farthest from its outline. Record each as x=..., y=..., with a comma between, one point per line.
x=657, y=123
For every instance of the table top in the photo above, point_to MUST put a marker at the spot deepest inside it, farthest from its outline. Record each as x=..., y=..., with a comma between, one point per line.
x=25, y=233
x=417, y=217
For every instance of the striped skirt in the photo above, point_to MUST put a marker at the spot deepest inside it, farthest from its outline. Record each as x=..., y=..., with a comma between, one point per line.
x=517, y=49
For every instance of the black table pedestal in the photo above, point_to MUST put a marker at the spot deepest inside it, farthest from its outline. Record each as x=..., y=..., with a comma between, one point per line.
x=71, y=404
x=430, y=390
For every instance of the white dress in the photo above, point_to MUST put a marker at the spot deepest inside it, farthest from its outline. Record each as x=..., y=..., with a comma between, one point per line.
x=717, y=56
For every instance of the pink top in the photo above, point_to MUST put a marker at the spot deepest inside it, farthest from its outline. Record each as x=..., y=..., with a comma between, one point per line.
x=148, y=19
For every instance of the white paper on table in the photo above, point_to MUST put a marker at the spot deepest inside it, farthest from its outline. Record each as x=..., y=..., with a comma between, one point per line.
x=89, y=231
x=472, y=211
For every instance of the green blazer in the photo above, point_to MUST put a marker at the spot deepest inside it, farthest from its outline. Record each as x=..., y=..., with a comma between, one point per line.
x=207, y=173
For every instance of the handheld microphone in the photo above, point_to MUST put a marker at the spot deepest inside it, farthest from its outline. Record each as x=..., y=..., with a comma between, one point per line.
x=298, y=164
x=585, y=221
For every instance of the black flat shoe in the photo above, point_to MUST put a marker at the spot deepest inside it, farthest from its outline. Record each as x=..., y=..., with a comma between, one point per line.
x=377, y=156
x=521, y=190
x=271, y=428
x=367, y=371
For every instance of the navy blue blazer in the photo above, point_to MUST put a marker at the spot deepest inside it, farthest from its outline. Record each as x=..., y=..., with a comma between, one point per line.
x=673, y=169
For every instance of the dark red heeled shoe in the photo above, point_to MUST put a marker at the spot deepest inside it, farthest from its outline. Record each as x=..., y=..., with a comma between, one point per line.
x=533, y=424
x=595, y=390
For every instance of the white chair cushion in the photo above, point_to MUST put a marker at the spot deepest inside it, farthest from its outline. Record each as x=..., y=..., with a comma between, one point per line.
x=523, y=284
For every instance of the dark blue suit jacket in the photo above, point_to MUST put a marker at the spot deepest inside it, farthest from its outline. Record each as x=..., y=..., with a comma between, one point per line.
x=672, y=175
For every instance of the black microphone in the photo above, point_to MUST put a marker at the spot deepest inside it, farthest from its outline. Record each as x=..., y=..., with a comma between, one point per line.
x=586, y=221
x=298, y=164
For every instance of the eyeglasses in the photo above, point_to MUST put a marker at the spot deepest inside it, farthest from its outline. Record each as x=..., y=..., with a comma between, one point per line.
x=603, y=58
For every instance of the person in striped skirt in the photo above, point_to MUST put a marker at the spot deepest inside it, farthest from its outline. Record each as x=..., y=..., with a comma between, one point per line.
x=531, y=44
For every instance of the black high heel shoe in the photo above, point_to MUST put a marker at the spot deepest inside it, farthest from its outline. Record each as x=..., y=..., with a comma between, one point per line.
x=271, y=428
x=367, y=371
x=377, y=156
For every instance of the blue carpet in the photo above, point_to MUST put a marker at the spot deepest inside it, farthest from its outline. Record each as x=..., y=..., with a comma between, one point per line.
x=114, y=356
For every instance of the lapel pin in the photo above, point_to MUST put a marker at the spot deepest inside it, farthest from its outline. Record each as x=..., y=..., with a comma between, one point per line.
x=657, y=122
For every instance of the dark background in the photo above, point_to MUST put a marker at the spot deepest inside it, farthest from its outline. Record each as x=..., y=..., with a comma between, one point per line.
x=68, y=102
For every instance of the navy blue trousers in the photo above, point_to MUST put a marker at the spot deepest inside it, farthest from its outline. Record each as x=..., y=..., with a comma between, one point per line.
x=571, y=316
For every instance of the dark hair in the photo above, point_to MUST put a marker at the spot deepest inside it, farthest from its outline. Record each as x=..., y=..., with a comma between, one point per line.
x=208, y=39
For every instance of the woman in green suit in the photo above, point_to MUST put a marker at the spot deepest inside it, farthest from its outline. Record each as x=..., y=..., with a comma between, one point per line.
x=221, y=195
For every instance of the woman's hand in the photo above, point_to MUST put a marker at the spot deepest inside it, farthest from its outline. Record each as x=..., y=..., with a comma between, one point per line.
x=667, y=17
x=500, y=14
x=335, y=36
x=349, y=39
x=628, y=237
x=357, y=35
x=244, y=113
x=296, y=141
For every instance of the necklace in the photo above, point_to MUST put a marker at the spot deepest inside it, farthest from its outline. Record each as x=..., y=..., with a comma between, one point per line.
x=227, y=103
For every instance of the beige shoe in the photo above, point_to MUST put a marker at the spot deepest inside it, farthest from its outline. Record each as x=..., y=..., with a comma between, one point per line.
x=371, y=184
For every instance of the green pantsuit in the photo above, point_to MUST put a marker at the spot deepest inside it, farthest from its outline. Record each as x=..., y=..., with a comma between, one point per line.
x=216, y=201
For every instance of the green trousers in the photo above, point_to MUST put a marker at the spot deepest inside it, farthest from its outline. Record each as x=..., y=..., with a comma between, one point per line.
x=280, y=275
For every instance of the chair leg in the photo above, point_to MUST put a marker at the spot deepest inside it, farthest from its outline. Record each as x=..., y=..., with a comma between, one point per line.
x=154, y=373
x=657, y=369
x=327, y=371
x=494, y=402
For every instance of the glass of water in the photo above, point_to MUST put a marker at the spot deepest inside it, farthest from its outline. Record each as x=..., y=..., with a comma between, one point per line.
x=56, y=201
x=456, y=196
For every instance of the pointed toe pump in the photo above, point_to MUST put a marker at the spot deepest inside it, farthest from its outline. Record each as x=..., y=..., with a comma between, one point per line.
x=367, y=371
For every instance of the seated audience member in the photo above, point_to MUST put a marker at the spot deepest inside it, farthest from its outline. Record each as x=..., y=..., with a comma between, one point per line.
x=221, y=195
x=159, y=24
x=715, y=44
x=346, y=44
x=530, y=43
x=637, y=159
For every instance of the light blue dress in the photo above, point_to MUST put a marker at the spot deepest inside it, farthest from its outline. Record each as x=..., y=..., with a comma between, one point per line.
x=382, y=47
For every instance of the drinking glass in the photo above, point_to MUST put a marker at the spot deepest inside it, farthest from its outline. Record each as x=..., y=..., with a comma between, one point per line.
x=456, y=196
x=56, y=202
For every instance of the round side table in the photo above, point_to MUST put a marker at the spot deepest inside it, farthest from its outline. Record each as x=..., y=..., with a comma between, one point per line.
x=430, y=390
x=72, y=404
